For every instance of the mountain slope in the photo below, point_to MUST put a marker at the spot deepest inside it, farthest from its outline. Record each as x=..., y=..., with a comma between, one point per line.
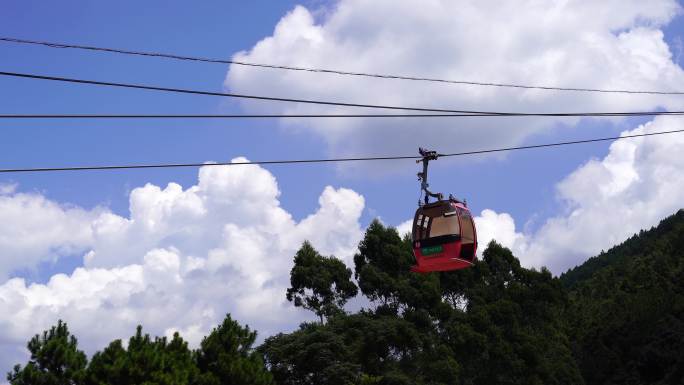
x=627, y=309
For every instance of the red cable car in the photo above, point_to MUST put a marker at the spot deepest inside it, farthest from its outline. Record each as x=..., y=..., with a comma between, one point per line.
x=444, y=236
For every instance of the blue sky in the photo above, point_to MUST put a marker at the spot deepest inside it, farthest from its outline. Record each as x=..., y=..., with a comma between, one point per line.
x=212, y=29
x=523, y=184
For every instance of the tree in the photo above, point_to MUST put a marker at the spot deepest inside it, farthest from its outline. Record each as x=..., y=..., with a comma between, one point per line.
x=511, y=329
x=365, y=347
x=383, y=270
x=310, y=356
x=226, y=357
x=618, y=318
x=146, y=361
x=320, y=284
x=496, y=322
x=627, y=309
x=109, y=365
x=55, y=360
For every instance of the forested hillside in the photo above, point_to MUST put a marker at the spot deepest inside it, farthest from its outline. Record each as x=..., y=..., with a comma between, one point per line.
x=616, y=319
x=627, y=309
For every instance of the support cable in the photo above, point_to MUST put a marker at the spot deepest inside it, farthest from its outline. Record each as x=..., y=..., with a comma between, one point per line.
x=442, y=112
x=329, y=160
x=337, y=72
x=285, y=116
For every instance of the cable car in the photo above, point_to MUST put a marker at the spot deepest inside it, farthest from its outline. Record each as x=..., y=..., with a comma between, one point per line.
x=444, y=237
x=443, y=234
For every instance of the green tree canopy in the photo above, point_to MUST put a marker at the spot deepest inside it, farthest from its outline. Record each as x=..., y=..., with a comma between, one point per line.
x=616, y=319
x=627, y=309
x=321, y=284
x=311, y=355
x=146, y=361
x=496, y=322
x=55, y=360
x=382, y=268
x=509, y=326
x=226, y=357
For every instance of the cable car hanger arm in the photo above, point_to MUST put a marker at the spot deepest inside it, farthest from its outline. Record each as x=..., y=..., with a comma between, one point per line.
x=427, y=156
x=423, y=176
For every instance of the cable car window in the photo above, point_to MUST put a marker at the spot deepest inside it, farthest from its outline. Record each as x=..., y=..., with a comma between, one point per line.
x=467, y=234
x=444, y=226
x=423, y=221
x=420, y=227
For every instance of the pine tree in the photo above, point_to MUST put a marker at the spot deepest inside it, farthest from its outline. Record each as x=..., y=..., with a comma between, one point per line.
x=146, y=361
x=55, y=360
x=226, y=357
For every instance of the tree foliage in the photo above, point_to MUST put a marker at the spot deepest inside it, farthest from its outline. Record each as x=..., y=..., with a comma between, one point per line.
x=321, y=284
x=226, y=357
x=494, y=323
x=616, y=319
x=55, y=360
x=146, y=361
x=382, y=267
x=627, y=309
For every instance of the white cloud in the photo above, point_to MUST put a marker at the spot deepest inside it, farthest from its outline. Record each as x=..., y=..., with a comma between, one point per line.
x=183, y=259
x=7, y=188
x=602, y=203
x=34, y=229
x=405, y=227
x=607, y=200
x=498, y=227
x=602, y=44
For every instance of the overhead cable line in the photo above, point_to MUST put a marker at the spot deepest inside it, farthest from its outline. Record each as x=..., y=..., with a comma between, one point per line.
x=329, y=160
x=443, y=112
x=279, y=116
x=336, y=72
x=225, y=94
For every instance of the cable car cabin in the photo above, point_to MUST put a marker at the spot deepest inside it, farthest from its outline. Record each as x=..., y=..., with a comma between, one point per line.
x=443, y=237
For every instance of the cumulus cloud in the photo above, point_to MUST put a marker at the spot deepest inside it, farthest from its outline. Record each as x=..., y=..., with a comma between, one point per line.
x=499, y=227
x=638, y=183
x=602, y=203
x=180, y=261
x=614, y=44
x=35, y=229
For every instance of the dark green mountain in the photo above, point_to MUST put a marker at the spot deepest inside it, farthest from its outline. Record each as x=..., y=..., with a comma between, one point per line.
x=626, y=309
